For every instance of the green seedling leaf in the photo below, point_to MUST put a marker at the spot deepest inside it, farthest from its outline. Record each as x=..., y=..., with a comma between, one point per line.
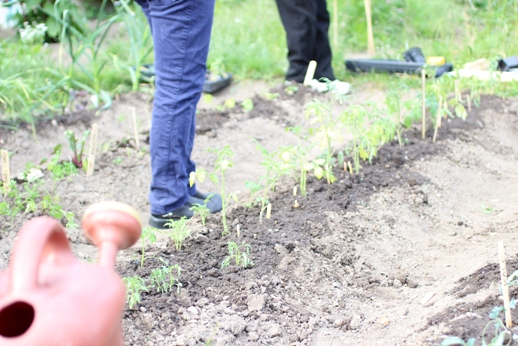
x=247, y=105
x=319, y=172
x=230, y=104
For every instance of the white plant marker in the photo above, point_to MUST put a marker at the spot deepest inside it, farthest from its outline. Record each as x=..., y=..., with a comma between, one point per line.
x=310, y=72
x=238, y=229
x=370, y=35
x=92, y=150
x=438, y=119
x=423, y=91
x=505, y=286
x=294, y=191
x=135, y=128
x=6, y=178
x=468, y=98
x=269, y=211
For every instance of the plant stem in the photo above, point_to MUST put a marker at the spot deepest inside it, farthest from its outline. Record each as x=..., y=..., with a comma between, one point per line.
x=224, y=206
x=303, y=182
x=142, y=258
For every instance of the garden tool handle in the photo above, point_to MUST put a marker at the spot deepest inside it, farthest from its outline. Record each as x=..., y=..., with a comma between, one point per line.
x=39, y=240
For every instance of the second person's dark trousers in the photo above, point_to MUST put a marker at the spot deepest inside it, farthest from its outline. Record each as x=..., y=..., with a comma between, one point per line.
x=306, y=23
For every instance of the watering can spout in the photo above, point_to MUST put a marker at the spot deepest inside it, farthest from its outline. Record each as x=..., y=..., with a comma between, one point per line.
x=47, y=297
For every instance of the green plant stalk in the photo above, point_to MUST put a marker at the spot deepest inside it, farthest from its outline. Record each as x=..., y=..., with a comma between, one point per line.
x=143, y=252
x=265, y=196
x=303, y=178
x=328, y=159
x=224, y=206
x=398, y=124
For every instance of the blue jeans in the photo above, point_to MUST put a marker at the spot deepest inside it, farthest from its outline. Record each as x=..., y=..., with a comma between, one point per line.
x=181, y=34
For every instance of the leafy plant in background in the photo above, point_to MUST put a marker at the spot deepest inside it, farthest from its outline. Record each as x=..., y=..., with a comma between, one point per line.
x=31, y=198
x=276, y=165
x=328, y=130
x=165, y=278
x=33, y=34
x=178, y=231
x=202, y=210
x=58, y=169
x=301, y=161
x=366, y=139
x=135, y=285
x=140, y=41
x=239, y=253
x=46, y=12
x=395, y=107
x=217, y=177
x=77, y=147
x=148, y=236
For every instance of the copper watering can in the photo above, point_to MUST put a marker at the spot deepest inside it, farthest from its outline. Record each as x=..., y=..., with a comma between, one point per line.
x=49, y=298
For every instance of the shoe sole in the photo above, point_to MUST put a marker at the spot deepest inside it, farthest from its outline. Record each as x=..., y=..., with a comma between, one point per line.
x=159, y=223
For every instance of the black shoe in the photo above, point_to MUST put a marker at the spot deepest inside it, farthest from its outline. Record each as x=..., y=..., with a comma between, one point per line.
x=159, y=221
x=212, y=201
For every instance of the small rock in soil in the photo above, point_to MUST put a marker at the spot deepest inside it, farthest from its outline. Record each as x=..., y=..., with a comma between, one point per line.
x=273, y=331
x=411, y=284
x=397, y=283
x=193, y=310
x=256, y=302
x=355, y=322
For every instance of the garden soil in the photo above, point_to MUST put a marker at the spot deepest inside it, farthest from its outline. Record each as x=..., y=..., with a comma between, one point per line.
x=403, y=253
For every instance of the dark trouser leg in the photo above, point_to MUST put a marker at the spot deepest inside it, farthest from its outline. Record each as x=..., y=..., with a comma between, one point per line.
x=181, y=36
x=306, y=23
x=323, y=55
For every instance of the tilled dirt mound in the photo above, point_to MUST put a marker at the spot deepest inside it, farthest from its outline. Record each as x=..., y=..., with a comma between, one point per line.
x=469, y=320
x=306, y=262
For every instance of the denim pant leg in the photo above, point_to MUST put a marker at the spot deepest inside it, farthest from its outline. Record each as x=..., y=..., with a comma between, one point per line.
x=181, y=36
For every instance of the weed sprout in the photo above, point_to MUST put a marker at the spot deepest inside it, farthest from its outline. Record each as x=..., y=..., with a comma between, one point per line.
x=239, y=253
x=178, y=231
x=165, y=278
x=135, y=285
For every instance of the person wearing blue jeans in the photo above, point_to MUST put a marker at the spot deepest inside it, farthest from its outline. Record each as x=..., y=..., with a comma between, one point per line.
x=181, y=32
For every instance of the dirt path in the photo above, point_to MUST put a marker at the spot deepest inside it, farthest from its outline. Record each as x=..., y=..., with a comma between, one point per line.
x=350, y=266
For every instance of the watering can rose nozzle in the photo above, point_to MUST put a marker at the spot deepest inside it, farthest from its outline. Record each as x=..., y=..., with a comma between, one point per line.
x=111, y=226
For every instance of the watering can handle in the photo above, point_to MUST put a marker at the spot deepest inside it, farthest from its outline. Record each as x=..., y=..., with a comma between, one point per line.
x=40, y=239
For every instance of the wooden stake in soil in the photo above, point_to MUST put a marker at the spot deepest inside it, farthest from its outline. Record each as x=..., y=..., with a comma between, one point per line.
x=468, y=98
x=310, y=72
x=6, y=178
x=370, y=35
x=350, y=167
x=135, y=128
x=269, y=211
x=458, y=96
x=505, y=287
x=423, y=92
x=438, y=119
x=92, y=150
x=294, y=191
